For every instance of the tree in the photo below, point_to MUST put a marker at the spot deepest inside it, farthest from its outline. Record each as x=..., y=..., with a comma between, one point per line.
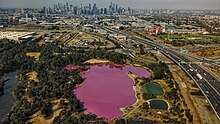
x=142, y=49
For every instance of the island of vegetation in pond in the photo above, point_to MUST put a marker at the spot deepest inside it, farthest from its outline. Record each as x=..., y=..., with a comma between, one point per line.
x=108, y=88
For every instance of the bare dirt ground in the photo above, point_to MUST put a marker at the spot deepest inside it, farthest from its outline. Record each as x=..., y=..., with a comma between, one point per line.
x=38, y=118
x=97, y=61
x=36, y=55
x=205, y=111
x=148, y=57
x=33, y=76
x=210, y=52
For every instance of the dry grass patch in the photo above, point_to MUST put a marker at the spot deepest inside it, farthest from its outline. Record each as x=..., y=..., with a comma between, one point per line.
x=36, y=55
x=38, y=117
x=33, y=76
x=148, y=57
x=97, y=61
x=207, y=52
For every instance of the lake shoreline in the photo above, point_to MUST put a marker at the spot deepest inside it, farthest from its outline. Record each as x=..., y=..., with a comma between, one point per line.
x=7, y=100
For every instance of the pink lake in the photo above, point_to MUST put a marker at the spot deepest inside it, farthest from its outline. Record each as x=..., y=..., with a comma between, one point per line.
x=108, y=88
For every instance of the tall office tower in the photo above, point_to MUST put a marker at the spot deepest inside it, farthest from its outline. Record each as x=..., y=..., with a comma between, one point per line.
x=102, y=11
x=113, y=8
x=150, y=10
x=71, y=7
x=116, y=8
x=94, y=9
x=75, y=10
x=54, y=8
x=50, y=10
x=129, y=11
x=67, y=6
x=59, y=6
x=26, y=15
x=105, y=11
x=85, y=11
x=110, y=9
x=90, y=7
x=22, y=11
x=120, y=10
x=64, y=8
x=45, y=11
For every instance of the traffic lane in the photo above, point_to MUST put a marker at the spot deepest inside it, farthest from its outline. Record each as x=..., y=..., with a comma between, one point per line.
x=214, y=82
x=206, y=89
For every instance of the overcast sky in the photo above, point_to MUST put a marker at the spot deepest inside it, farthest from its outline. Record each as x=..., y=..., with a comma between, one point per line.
x=142, y=4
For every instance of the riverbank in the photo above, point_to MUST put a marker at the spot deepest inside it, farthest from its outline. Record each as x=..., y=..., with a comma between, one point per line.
x=7, y=99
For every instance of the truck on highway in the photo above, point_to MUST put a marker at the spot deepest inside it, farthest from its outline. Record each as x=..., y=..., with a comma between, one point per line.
x=199, y=76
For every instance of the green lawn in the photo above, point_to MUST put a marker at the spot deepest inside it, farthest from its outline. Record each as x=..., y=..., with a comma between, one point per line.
x=171, y=36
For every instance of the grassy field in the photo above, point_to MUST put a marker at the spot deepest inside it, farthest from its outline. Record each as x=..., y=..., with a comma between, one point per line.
x=173, y=36
x=207, y=52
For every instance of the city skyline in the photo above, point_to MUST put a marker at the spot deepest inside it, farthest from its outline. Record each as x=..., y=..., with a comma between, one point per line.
x=141, y=4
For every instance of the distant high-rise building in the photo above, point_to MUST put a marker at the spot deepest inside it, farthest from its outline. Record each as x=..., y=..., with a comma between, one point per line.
x=85, y=10
x=67, y=6
x=105, y=11
x=102, y=11
x=90, y=7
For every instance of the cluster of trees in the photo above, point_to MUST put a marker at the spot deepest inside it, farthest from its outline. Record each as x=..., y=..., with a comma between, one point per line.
x=54, y=80
x=147, y=96
x=188, y=115
x=178, y=43
x=211, y=28
x=13, y=54
x=145, y=106
x=142, y=52
x=160, y=70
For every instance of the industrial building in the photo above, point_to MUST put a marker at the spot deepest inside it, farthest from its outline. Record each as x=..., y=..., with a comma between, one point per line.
x=16, y=35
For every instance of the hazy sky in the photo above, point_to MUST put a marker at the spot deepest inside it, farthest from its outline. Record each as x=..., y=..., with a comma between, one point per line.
x=161, y=4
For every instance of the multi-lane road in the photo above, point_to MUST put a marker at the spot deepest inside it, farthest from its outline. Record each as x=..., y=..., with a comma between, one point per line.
x=207, y=83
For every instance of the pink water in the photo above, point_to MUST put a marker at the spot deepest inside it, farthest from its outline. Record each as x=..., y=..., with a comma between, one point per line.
x=108, y=88
x=71, y=67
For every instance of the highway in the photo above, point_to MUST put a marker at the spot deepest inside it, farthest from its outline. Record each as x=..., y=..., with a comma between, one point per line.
x=207, y=83
x=126, y=50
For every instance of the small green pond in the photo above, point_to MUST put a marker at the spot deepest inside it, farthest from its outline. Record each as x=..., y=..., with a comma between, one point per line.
x=158, y=104
x=152, y=88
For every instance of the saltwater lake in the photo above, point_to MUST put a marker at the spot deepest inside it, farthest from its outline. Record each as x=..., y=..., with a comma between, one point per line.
x=108, y=88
